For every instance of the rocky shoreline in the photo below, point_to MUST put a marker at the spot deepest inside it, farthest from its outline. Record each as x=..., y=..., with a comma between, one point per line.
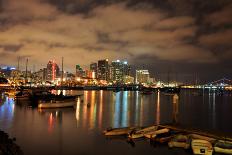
x=8, y=145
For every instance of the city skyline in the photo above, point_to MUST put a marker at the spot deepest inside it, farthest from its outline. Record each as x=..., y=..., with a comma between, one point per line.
x=185, y=38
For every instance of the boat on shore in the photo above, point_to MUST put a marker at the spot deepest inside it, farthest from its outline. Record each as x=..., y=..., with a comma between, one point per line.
x=200, y=146
x=222, y=146
x=153, y=134
x=141, y=132
x=201, y=137
x=118, y=131
x=180, y=140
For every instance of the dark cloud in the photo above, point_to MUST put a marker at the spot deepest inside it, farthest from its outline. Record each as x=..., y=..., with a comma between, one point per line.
x=11, y=48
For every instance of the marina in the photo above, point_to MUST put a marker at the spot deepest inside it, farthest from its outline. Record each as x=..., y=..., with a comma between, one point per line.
x=83, y=125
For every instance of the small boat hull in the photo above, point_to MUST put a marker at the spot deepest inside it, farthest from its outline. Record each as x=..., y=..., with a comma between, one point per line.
x=200, y=146
x=140, y=133
x=118, y=131
x=56, y=104
x=182, y=141
x=153, y=134
x=223, y=147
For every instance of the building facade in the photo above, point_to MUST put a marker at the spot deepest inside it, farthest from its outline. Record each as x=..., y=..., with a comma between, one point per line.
x=142, y=77
x=53, y=71
x=103, y=70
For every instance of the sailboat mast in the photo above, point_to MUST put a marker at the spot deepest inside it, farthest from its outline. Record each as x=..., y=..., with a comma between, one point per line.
x=18, y=63
x=26, y=67
x=62, y=74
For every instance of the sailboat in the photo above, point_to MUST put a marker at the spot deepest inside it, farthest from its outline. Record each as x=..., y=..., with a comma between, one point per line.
x=58, y=101
x=168, y=90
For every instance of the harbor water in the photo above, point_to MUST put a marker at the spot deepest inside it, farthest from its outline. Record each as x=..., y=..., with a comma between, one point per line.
x=72, y=131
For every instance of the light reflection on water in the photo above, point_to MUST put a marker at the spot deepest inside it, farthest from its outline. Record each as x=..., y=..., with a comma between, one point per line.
x=97, y=110
x=7, y=111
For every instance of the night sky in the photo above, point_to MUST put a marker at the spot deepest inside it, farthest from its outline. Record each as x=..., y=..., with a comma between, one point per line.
x=187, y=38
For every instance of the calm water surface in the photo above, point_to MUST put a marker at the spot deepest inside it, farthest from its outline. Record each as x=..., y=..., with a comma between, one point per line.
x=79, y=131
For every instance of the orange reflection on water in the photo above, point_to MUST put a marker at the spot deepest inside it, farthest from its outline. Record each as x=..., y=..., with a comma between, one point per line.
x=78, y=109
x=100, y=110
x=158, y=108
x=92, y=117
x=86, y=94
x=175, y=113
x=50, y=123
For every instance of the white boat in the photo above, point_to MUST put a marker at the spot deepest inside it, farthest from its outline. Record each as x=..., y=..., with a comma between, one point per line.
x=200, y=146
x=153, y=134
x=222, y=146
x=57, y=104
x=196, y=136
x=180, y=141
x=118, y=131
x=140, y=133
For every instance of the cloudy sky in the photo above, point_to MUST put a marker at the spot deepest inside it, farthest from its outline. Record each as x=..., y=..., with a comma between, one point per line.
x=187, y=38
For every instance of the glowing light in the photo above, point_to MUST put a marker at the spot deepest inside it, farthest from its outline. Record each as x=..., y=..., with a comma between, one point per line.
x=53, y=70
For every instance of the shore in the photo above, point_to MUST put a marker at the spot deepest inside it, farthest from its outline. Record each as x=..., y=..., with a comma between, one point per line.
x=8, y=145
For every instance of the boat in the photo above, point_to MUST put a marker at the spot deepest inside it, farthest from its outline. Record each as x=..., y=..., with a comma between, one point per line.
x=180, y=141
x=153, y=134
x=23, y=95
x=57, y=103
x=200, y=146
x=146, y=92
x=196, y=136
x=118, y=131
x=170, y=90
x=165, y=137
x=222, y=146
x=140, y=132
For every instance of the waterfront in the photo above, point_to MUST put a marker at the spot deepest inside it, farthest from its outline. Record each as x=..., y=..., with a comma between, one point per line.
x=79, y=130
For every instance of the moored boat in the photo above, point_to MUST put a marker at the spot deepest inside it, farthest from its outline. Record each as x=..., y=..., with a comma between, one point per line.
x=141, y=132
x=180, y=141
x=170, y=90
x=200, y=146
x=23, y=95
x=57, y=103
x=222, y=146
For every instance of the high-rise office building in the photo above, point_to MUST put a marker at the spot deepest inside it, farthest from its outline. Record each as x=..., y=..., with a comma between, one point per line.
x=142, y=76
x=79, y=71
x=93, y=70
x=103, y=70
x=53, y=70
x=118, y=70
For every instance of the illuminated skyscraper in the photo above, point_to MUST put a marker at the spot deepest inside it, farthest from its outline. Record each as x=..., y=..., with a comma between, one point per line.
x=118, y=70
x=142, y=76
x=79, y=71
x=93, y=70
x=52, y=70
x=103, y=70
